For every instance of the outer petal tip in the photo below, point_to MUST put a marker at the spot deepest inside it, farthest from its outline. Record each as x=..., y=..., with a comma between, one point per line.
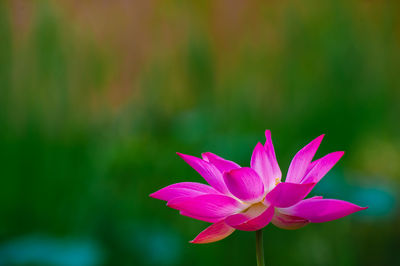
x=183, y=189
x=207, y=170
x=204, y=155
x=268, y=134
x=259, y=145
x=258, y=148
x=183, y=156
x=298, y=166
x=269, y=148
x=319, y=168
x=339, y=154
x=220, y=163
x=157, y=195
x=213, y=233
x=171, y=204
x=322, y=210
x=318, y=139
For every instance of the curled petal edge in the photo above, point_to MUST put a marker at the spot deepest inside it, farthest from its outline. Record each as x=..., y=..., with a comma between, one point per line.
x=213, y=233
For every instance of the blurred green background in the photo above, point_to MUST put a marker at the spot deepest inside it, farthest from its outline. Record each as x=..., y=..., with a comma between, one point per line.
x=97, y=96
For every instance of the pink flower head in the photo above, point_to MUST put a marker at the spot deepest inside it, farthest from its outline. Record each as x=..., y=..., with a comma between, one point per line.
x=249, y=198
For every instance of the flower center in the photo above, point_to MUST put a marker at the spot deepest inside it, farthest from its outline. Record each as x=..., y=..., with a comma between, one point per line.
x=255, y=209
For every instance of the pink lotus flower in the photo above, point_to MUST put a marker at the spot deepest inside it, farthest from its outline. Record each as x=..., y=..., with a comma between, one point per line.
x=249, y=198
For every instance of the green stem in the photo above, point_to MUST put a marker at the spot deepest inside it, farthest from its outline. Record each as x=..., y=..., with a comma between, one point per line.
x=259, y=248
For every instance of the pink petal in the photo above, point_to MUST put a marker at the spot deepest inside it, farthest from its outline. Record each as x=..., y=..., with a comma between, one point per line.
x=261, y=164
x=219, y=162
x=288, y=222
x=301, y=160
x=208, y=207
x=213, y=233
x=207, y=170
x=287, y=194
x=322, y=210
x=184, y=189
x=251, y=220
x=245, y=184
x=311, y=166
x=322, y=167
x=200, y=218
x=269, y=147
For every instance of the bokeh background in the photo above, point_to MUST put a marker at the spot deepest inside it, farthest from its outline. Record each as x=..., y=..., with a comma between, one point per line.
x=97, y=96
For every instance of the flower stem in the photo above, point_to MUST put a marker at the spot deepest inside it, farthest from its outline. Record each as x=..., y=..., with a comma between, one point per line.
x=259, y=248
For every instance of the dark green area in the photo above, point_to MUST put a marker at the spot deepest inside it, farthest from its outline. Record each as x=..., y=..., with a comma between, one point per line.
x=68, y=172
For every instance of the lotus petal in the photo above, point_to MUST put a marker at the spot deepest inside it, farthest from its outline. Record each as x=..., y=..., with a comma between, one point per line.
x=287, y=194
x=184, y=189
x=269, y=147
x=219, y=162
x=261, y=164
x=213, y=233
x=301, y=160
x=288, y=222
x=210, y=207
x=256, y=218
x=207, y=170
x=318, y=210
x=245, y=184
x=322, y=167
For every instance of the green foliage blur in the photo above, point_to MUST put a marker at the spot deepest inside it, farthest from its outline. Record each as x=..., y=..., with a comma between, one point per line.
x=97, y=96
